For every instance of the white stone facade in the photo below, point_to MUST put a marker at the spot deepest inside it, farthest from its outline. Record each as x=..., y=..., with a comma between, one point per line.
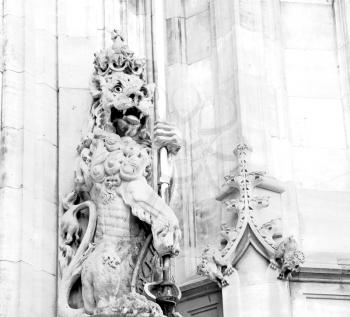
x=270, y=73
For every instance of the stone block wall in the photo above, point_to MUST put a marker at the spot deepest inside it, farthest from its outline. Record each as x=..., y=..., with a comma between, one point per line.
x=273, y=74
x=236, y=71
x=28, y=186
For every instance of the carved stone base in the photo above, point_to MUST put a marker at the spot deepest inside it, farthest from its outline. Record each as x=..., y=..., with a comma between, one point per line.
x=131, y=305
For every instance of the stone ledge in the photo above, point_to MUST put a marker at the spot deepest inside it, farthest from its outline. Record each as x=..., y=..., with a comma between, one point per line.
x=322, y=275
x=325, y=2
x=197, y=287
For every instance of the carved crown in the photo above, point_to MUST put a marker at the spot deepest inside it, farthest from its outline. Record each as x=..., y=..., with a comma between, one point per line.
x=118, y=58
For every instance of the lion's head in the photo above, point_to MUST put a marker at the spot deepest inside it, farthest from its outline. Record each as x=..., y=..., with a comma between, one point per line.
x=122, y=99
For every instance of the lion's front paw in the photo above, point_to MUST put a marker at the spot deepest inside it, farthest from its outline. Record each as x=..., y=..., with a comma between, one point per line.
x=167, y=135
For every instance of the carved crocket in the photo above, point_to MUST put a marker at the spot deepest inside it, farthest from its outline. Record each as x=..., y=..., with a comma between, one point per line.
x=113, y=208
x=288, y=257
x=214, y=266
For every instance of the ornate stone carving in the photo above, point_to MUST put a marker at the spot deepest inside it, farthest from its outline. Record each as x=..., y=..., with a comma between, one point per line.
x=247, y=230
x=113, y=214
x=288, y=257
x=228, y=235
x=246, y=206
x=272, y=229
x=214, y=266
x=132, y=304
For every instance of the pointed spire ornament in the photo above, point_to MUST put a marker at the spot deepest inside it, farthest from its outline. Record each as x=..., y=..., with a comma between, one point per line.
x=282, y=254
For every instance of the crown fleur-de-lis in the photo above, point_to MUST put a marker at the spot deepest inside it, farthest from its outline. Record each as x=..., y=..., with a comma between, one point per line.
x=116, y=34
x=118, y=58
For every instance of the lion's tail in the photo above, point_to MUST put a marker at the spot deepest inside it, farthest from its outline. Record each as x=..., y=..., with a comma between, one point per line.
x=73, y=270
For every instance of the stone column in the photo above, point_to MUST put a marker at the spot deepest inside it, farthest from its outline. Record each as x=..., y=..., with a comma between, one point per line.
x=201, y=99
x=342, y=22
x=28, y=167
x=225, y=85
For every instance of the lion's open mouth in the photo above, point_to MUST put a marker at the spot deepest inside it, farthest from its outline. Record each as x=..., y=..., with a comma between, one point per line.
x=132, y=115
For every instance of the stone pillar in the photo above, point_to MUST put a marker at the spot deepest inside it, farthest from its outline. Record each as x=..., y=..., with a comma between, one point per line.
x=225, y=85
x=201, y=98
x=28, y=185
x=316, y=58
x=342, y=22
x=231, y=304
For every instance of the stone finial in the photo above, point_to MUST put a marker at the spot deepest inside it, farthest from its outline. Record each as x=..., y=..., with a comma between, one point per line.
x=249, y=229
x=117, y=35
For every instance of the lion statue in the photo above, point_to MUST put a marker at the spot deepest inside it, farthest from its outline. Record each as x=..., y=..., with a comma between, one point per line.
x=113, y=210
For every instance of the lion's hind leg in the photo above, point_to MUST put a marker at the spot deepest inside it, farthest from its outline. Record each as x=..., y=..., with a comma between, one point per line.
x=101, y=278
x=88, y=290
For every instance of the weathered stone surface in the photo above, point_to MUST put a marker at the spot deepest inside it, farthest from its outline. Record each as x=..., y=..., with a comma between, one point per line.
x=73, y=72
x=43, y=58
x=315, y=27
x=41, y=156
x=90, y=14
x=175, y=40
x=322, y=226
x=193, y=7
x=39, y=241
x=40, y=110
x=298, y=127
x=214, y=266
x=12, y=97
x=44, y=300
x=14, y=47
x=224, y=17
x=28, y=159
x=9, y=274
x=11, y=213
x=11, y=160
x=311, y=73
x=320, y=299
x=315, y=81
x=174, y=8
x=101, y=236
x=45, y=16
x=74, y=112
x=198, y=37
x=133, y=303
